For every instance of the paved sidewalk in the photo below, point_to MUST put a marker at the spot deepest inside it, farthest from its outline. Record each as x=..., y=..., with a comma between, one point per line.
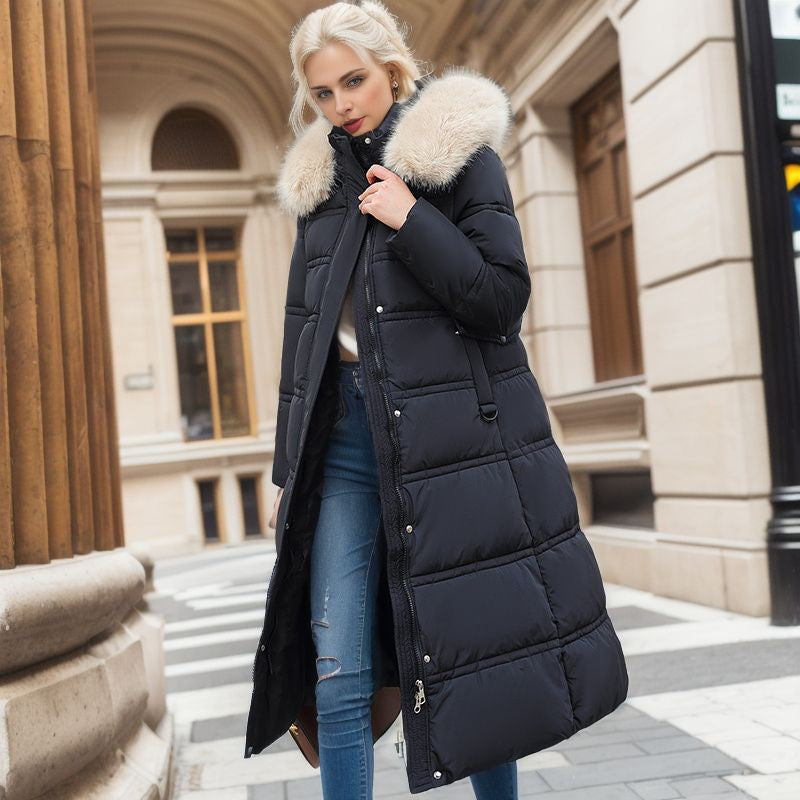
x=713, y=711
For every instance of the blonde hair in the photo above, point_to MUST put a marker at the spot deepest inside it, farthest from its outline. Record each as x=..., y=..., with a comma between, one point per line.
x=368, y=28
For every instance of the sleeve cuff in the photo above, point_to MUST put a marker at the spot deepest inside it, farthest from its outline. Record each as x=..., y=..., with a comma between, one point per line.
x=398, y=239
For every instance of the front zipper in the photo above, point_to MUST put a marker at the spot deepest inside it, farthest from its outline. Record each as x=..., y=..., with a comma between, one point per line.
x=420, y=698
x=419, y=688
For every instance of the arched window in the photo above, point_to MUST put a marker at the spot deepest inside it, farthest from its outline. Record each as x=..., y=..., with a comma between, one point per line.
x=189, y=138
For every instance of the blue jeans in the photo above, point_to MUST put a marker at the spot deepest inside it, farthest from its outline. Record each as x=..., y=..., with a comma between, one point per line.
x=346, y=559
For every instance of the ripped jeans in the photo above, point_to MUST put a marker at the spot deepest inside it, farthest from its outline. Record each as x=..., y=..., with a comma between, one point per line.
x=346, y=559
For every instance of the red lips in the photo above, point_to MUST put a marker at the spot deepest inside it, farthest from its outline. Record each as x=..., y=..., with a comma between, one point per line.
x=354, y=126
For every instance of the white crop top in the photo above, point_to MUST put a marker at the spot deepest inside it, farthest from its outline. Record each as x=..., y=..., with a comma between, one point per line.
x=346, y=332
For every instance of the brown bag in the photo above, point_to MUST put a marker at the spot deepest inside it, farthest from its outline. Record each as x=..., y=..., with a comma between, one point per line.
x=385, y=708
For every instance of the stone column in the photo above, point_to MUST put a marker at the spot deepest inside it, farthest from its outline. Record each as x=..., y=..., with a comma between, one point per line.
x=82, y=696
x=66, y=235
x=90, y=245
x=64, y=484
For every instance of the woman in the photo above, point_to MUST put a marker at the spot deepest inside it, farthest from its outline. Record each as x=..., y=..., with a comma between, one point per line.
x=430, y=558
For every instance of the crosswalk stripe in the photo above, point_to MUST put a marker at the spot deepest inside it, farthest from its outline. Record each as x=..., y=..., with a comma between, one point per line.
x=222, y=602
x=208, y=665
x=219, y=590
x=210, y=639
x=214, y=621
x=205, y=590
x=216, y=701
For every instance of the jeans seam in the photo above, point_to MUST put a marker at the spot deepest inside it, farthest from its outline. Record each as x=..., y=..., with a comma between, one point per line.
x=364, y=757
x=363, y=614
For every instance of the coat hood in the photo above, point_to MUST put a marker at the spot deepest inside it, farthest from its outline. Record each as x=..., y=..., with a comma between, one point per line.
x=437, y=130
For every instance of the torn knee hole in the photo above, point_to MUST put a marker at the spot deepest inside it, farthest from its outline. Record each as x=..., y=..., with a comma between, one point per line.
x=328, y=674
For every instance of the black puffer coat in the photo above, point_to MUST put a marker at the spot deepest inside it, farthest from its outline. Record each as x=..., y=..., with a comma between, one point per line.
x=492, y=607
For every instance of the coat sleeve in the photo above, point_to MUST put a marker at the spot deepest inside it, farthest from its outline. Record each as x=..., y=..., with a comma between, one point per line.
x=295, y=316
x=475, y=266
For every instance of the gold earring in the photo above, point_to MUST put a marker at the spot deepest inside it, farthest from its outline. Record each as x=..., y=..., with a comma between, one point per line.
x=395, y=86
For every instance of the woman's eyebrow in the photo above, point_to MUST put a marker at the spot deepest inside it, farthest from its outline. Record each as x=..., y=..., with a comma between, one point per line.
x=342, y=79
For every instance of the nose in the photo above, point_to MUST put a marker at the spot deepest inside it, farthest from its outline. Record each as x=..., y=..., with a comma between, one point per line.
x=343, y=110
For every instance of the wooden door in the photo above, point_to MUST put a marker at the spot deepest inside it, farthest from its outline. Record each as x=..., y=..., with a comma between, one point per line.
x=598, y=127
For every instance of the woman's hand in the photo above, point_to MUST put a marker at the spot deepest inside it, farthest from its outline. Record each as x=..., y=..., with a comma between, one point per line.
x=388, y=199
x=273, y=520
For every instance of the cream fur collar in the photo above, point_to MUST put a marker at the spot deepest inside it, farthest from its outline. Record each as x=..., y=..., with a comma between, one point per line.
x=433, y=138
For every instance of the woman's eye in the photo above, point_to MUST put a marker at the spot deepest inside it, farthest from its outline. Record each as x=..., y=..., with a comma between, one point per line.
x=358, y=78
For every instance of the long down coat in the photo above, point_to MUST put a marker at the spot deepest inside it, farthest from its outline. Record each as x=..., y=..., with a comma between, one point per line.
x=495, y=640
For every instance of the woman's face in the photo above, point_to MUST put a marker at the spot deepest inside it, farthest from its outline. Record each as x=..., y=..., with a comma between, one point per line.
x=346, y=88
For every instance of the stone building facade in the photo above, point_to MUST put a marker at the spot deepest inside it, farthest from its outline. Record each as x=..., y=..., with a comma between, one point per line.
x=626, y=165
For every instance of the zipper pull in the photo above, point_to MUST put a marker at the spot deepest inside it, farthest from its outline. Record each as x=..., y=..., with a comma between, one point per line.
x=399, y=745
x=420, y=697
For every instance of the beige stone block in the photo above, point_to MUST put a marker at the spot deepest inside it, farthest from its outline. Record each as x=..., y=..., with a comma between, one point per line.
x=48, y=609
x=151, y=756
x=548, y=164
x=124, y=665
x=54, y=720
x=626, y=561
x=137, y=770
x=149, y=628
x=701, y=327
x=696, y=574
x=700, y=217
x=548, y=120
x=146, y=560
x=563, y=360
x=166, y=731
x=528, y=237
x=726, y=518
x=582, y=486
x=516, y=182
x=134, y=319
x=162, y=511
x=747, y=581
x=558, y=297
x=736, y=580
x=709, y=439
x=655, y=35
x=700, y=100
x=59, y=721
x=553, y=223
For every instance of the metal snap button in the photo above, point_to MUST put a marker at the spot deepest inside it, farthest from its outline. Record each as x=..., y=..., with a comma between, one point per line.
x=379, y=309
x=437, y=774
x=367, y=140
x=426, y=658
x=397, y=412
x=263, y=648
x=409, y=528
